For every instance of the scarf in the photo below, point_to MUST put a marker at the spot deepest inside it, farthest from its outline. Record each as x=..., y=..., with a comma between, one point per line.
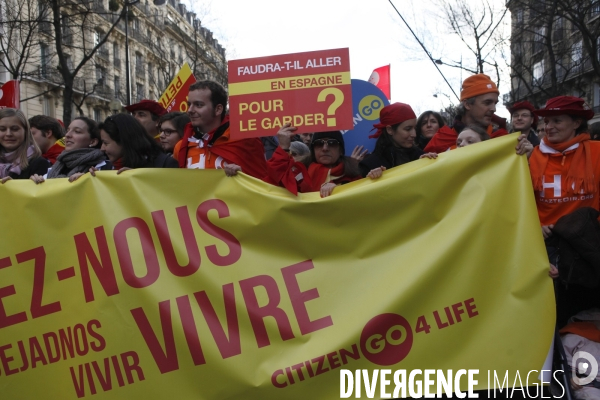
x=320, y=174
x=580, y=176
x=118, y=164
x=75, y=161
x=11, y=164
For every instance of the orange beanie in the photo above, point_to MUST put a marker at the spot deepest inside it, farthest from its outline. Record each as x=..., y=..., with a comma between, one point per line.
x=476, y=85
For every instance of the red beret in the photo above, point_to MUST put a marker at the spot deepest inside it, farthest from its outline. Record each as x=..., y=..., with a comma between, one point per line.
x=149, y=105
x=393, y=114
x=568, y=105
x=524, y=105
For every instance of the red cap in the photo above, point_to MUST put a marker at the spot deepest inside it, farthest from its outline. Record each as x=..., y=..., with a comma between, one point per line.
x=393, y=114
x=568, y=105
x=150, y=105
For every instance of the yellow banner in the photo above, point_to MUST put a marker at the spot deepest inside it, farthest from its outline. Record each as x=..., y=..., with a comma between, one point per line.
x=185, y=284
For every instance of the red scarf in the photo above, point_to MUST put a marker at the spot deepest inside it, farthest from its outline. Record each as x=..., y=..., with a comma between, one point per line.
x=118, y=164
x=320, y=174
x=581, y=172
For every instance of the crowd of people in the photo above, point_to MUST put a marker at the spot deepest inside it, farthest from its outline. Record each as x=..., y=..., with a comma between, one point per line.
x=563, y=153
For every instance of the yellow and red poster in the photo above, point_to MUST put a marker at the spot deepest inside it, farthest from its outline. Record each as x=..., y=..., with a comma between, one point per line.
x=309, y=90
x=147, y=285
x=175, y=96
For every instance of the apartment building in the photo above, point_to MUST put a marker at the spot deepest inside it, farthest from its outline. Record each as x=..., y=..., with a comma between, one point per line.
x=160, y=40
x=555, y=51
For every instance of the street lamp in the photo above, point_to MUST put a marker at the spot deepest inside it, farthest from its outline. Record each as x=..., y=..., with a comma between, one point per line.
x=456, y=65
x=127, y=69
x=115, y=105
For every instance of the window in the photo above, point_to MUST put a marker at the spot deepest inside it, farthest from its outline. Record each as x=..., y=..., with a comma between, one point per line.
x=66, y=29
x=598, y=48
x=560, y=70
x=139, y=92
x=520, y=16
x=558, y=29
x=538, y=40
x=47, y=108
x=97, y=115
x=96, y=38
x=100, y=74
x=538, y=72
x=44, y=59
x=117, y=84
x=69, y=61
x=595, y=9
x=577, y=53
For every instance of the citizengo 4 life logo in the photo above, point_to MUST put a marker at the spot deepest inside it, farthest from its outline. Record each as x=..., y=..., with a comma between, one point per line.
x=386, y=339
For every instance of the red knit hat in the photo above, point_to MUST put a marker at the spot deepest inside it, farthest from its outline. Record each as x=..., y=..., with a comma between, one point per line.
x=393, y=114
x=477, y=85
x=149, y=105
x=568, y=105
x=524, y=105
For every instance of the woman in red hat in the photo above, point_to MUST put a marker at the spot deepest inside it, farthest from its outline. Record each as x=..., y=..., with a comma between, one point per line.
x=396, y=134
x=565, y=167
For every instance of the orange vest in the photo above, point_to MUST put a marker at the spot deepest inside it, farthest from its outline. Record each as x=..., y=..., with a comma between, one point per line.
x=553, y=201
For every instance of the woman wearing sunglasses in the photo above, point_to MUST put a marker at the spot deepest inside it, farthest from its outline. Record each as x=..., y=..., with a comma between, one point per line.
x=328, y=169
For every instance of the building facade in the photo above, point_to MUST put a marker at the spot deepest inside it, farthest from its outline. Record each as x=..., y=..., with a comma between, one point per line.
x=160, y=40
x=555, y=51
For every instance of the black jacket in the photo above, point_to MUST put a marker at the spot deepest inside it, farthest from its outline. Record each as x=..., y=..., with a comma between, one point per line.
x=37, y=165
x=390, y=157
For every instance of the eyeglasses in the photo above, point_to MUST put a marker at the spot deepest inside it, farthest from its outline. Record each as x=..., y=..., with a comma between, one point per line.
x=168, y=132
x=319, y=143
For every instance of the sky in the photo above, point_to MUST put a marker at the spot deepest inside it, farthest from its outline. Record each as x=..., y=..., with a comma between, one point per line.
x=372, y=30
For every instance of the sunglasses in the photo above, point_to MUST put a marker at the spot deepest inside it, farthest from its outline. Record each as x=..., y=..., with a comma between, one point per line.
x=319, y=143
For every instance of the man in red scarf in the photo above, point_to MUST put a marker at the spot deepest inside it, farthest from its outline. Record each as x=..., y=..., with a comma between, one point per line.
x=48, y=134
x=206, y=143
x=478, y=98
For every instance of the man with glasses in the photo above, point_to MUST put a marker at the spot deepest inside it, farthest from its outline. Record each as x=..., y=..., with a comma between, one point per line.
x=524, y=121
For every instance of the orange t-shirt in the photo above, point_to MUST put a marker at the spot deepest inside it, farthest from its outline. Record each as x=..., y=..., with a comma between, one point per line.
x=199, y=156
x=553, y=201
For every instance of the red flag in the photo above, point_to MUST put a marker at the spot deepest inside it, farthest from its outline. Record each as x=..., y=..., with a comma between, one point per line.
x=381, y=78
x=10, y=95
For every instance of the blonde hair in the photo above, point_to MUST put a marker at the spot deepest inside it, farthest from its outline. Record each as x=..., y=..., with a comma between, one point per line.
x=28, y=140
